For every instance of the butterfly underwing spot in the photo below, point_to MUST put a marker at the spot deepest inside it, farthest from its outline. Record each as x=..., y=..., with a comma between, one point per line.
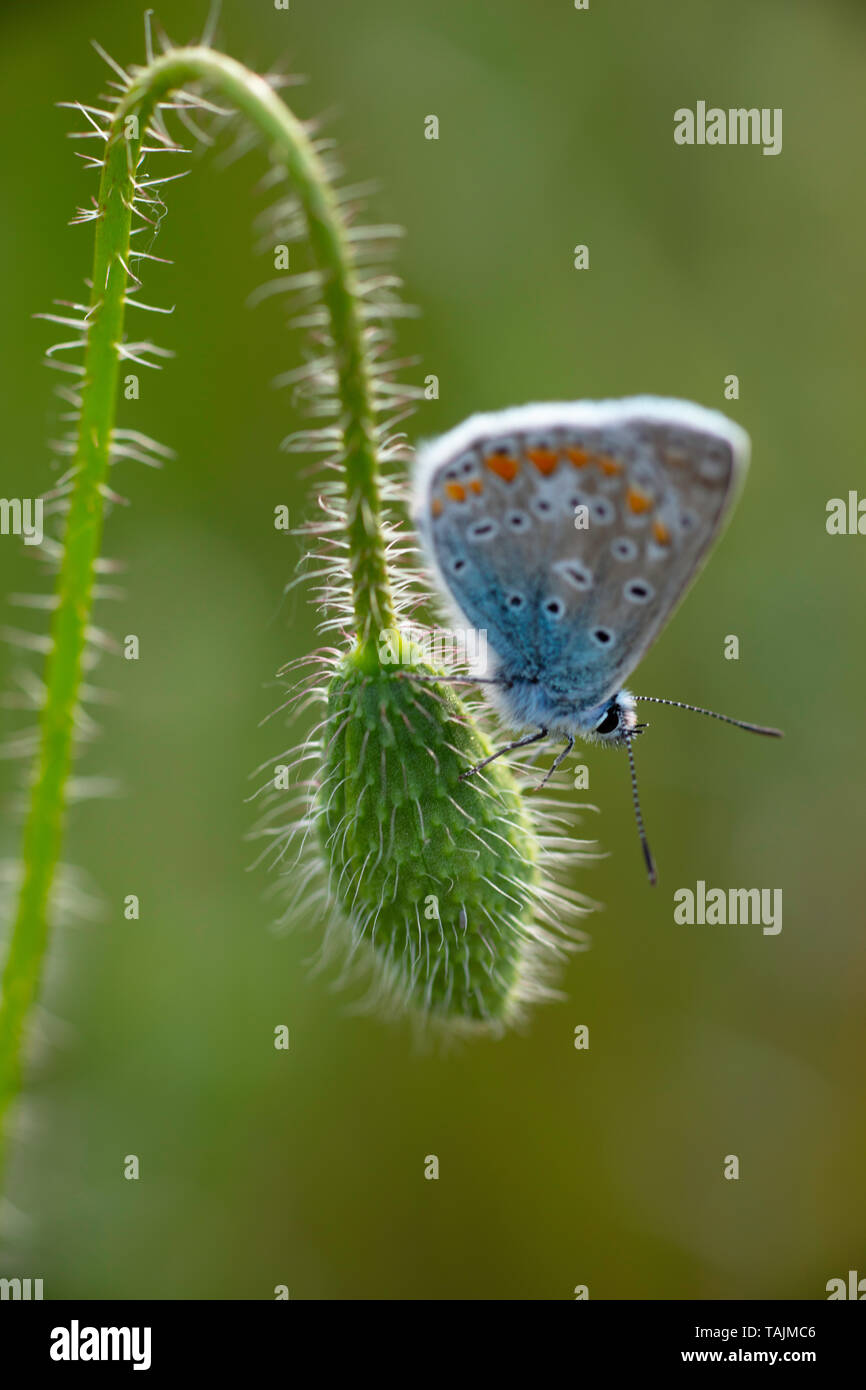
x=544, y=508
x=610, y=467
x=638, y=505
x=462, y=466
x=601, y=636
x=518, y=521
x=638, y=591
x=602, y=511
x=483, y=530
x=577, y=455
x=515, y=601
x=555, y=607
x=655, y=552
x=578, y=575
x=664, y=539
x=542, y=454
x=501, y=457
x=623, y=548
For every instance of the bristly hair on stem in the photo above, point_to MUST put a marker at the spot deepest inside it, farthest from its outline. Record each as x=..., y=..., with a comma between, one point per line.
x=443, y=885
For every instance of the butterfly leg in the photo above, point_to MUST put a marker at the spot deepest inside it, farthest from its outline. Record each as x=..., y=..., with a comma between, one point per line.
x=509, y=748
x=557, y=762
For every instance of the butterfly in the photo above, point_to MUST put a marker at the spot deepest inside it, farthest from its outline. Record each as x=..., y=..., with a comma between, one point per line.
x=568, y=534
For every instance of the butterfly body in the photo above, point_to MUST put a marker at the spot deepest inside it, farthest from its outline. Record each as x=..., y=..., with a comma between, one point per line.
x=525, y=704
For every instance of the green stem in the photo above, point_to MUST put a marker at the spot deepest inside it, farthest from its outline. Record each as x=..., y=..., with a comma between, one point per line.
x=289, y=146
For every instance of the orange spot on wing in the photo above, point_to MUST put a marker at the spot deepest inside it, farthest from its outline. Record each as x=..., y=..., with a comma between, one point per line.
x=456, y=492
x=477, y=485
x=579, y=457
x=661, y=533
x=545, y=460
x=638, y=501
x=504, y=466
x=436, y=507
x=609, y=466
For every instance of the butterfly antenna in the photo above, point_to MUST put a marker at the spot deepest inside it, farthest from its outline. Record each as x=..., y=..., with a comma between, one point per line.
x=644, y=842
x=726, y=718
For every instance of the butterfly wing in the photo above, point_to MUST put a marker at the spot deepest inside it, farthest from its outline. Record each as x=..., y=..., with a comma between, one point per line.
x=570, y=532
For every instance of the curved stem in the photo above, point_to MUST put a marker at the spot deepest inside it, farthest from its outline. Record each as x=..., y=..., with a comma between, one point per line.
x=290, y=146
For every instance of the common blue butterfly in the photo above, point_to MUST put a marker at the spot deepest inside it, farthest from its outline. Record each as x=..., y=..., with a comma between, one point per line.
x=569, y=533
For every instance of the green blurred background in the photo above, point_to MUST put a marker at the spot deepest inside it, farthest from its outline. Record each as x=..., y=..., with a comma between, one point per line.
x=558, y=1167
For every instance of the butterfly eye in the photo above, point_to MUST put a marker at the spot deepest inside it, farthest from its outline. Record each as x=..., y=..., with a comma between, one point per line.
x=610, y=723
